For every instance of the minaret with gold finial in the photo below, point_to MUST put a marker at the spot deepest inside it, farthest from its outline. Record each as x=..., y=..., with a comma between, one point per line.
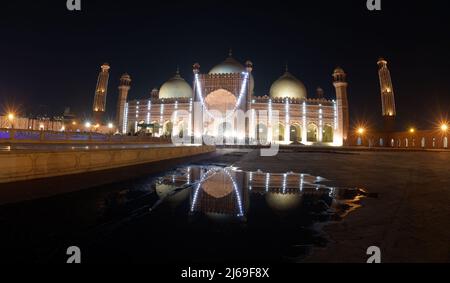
x=101, y=90
x=387, y=95
x=340, y=84
x=124, y=88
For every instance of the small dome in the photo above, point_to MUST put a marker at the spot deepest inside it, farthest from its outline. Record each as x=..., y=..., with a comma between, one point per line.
x=288, y=86
x=229, y=66
x=339, y=70
x=176, y=87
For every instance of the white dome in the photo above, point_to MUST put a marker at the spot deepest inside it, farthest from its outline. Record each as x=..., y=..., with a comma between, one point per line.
x=176, y=87
x=288, y=86
x=229, y=66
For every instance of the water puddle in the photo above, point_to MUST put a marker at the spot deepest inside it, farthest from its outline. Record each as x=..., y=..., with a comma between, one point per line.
x=216, y=213
x=202, y=213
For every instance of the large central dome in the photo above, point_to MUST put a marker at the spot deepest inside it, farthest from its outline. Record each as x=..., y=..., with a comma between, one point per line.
x=176, y=87
x=229, y=66
x=288, y=86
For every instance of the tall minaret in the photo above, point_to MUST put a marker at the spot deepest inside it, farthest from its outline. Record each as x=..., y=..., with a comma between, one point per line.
x=340, y=84
x=387, y=95
x=124, y=87
x=101, y=90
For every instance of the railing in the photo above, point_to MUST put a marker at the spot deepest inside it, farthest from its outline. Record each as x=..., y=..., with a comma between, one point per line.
x=30, y=136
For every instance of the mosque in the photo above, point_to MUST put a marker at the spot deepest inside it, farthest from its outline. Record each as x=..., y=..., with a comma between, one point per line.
x=287, y=114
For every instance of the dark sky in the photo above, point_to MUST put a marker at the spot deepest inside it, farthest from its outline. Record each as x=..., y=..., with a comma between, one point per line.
x=50, y=57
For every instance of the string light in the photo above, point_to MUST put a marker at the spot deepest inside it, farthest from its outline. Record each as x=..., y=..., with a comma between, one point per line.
x=125, y=120
x=238, y=102
x=236, y=191
x=149, y=108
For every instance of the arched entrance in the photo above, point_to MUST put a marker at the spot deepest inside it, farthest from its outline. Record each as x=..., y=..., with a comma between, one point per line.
x=295, y=134
x=312, y=134
x=278, y=133
x=168, y=128
x=327, y=134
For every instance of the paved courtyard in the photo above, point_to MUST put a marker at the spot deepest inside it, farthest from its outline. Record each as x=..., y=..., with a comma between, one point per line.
x=409, y=220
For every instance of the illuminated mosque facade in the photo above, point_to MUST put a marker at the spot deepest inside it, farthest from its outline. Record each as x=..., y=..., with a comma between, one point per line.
x=287, y=115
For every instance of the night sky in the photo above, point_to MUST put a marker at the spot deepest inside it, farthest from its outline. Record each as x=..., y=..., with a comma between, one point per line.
x=50, y=57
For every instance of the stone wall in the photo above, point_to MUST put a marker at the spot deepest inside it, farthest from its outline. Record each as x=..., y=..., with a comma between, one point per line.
x=20, y=166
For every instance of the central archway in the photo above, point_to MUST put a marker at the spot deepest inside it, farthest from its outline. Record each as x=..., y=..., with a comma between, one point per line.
x=220, y=100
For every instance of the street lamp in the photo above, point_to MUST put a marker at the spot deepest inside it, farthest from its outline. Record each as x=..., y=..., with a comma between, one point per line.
x=412, y=130
x=361, y=130
x=444, y=127
x=110, y=125
x=11, y=117
x=87, y=125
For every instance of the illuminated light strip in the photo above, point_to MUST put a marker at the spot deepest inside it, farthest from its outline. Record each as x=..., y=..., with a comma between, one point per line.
x=287, y=128
x=197, y=190
x=149, y=108
x=284, y=183
x=161, y=118
x=267, y=182
x=125, y=120
x=188, y=181
x=238, y=102
x=321, y=122
x=269, y=122
x=302, y=180
x=335, y=115
x=238, y=195
x=304, y=116
x=175, y=115
x=190, y=118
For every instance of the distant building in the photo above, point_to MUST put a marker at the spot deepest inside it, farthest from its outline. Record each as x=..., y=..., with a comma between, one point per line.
x=36, y=124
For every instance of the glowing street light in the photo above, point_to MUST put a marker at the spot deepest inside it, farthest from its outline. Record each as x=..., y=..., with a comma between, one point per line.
x=361, y=130
x=87, y=125
x=444, y=127
x=412, y=130
x=11, y=117
x=110, y=125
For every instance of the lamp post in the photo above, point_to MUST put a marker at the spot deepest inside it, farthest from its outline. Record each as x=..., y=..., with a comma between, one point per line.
x=87, y=125
x=360, y=131
x=11, y=117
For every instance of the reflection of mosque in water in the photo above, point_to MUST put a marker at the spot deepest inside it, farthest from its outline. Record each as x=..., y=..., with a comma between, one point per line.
x=225, y=192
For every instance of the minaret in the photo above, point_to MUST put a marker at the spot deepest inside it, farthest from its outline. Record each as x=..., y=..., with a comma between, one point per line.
x=101, y=90
x=340, y=84
x=387, y=95
x=124, y=87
